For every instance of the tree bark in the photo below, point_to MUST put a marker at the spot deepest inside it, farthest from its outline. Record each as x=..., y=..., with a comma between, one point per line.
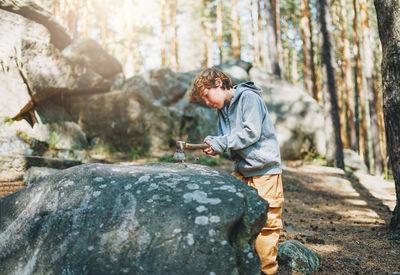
x=389, y=31
x=360, y=102
x=253, y=33
x=374, y=150
x=163, y=34
x=308, y=54
x=235, y=30
x=272, y=38
x=219, y=29
x=173, y=39
x=329, y=71
x=260, y=35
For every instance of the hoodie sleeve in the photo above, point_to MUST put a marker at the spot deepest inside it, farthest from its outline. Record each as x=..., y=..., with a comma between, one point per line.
x=248, y=131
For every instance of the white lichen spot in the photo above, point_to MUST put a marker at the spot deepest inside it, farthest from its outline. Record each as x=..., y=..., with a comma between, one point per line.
x=98, y=179
x=144, y=178
x=212, y=273
x=113, y=181
x=200, y=197
x=201, y=208
x=125, y=270
x=142, y=210
x=215, y=219
x=177, y=231
x=189, y=239
x=116, y=170
x=90, y=248
x=138, y=191
x=68, y=183
x=192, y=186
x=155, y=197
x=128, y=186
x=212, y=232
x=101, y=225
x=228, y=188
x=201, y=220
x=149, y=200
x=87, y=187
x=212, y=240
x=152, y=187
x=103, y=186
x=240, y=195
x=250, y=255
x=224, y=242
x=96, y=193
x=207, y=182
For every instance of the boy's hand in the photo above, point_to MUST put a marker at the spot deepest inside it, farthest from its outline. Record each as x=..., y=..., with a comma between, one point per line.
x=209, y=150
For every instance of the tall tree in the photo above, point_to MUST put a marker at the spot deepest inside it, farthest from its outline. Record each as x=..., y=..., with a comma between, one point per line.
x=307, y=48
x=272, y=37
x=163, y=33
x=260, y=35
x=235, y=29
x=389, y=32
x=253, y=33
x=219, y=29
x=173, y=47
x=375, y=155
x=330, y=89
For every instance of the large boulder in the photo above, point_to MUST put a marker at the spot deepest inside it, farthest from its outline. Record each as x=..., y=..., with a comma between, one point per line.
x=137, y=219
x=124, y=120
x=297, y=117
x=59, y=36
x=34, y=70
x=88, y=53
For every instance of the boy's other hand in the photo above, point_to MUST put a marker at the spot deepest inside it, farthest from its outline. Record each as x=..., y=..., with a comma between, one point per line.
x=209, y=150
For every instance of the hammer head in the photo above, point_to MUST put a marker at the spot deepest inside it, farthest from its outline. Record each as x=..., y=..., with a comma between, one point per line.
x=179, y=154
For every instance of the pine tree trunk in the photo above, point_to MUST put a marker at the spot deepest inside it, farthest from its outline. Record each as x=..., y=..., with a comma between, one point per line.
x=307, y=46
x=219, y=29
x=253, y=33
x=204, y=24
x=235, y=30
x=173, y=39
x=375, y=155
x=163, y=34
x=328, y=69
x=277, y=17
x=389, y=32
x=348, y=81
x=360, y=106
x=272, y=39
x=261, y=61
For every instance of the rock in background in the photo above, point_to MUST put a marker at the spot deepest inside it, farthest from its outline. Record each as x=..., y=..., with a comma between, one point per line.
x=137, y=219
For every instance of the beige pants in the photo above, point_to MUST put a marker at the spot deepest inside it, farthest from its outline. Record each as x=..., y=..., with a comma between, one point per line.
x=269, y=187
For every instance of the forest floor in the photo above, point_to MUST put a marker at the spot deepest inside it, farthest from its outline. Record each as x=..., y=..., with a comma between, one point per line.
x=344, y=218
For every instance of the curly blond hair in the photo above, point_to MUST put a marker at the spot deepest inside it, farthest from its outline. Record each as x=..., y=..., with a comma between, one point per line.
x=206, y=80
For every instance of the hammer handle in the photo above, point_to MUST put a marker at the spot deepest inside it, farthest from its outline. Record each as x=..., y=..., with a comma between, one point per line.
x=196, y=146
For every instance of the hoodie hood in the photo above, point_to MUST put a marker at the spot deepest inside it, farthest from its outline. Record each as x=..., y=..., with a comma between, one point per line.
x=245, y=86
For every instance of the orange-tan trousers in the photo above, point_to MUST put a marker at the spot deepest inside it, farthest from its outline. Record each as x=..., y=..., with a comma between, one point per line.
x=269, y=187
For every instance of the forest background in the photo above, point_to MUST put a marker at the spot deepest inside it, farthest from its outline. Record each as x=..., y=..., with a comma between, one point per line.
x=285, y=37
x=331, y=48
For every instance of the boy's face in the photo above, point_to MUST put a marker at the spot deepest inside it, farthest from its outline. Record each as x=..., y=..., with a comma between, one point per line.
x=214, y=97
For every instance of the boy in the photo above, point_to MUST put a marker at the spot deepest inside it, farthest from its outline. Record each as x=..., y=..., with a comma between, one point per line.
x=245, y=128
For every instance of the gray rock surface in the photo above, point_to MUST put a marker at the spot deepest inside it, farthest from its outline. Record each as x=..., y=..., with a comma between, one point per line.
x=298, y=257
x=136, y=219
x=36, y=174
x=90, y=54
x=31, y=10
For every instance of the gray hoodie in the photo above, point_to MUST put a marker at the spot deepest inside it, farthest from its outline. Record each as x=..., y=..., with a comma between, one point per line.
x=245, y=128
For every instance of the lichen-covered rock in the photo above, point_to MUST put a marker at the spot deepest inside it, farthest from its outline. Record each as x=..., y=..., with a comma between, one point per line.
x=297, y=256
x=136, y=219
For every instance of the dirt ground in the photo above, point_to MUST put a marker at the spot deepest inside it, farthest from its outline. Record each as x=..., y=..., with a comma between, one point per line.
x=344, y=219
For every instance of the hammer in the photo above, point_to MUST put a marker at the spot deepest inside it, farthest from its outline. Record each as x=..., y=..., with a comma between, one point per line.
x=181, y=146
